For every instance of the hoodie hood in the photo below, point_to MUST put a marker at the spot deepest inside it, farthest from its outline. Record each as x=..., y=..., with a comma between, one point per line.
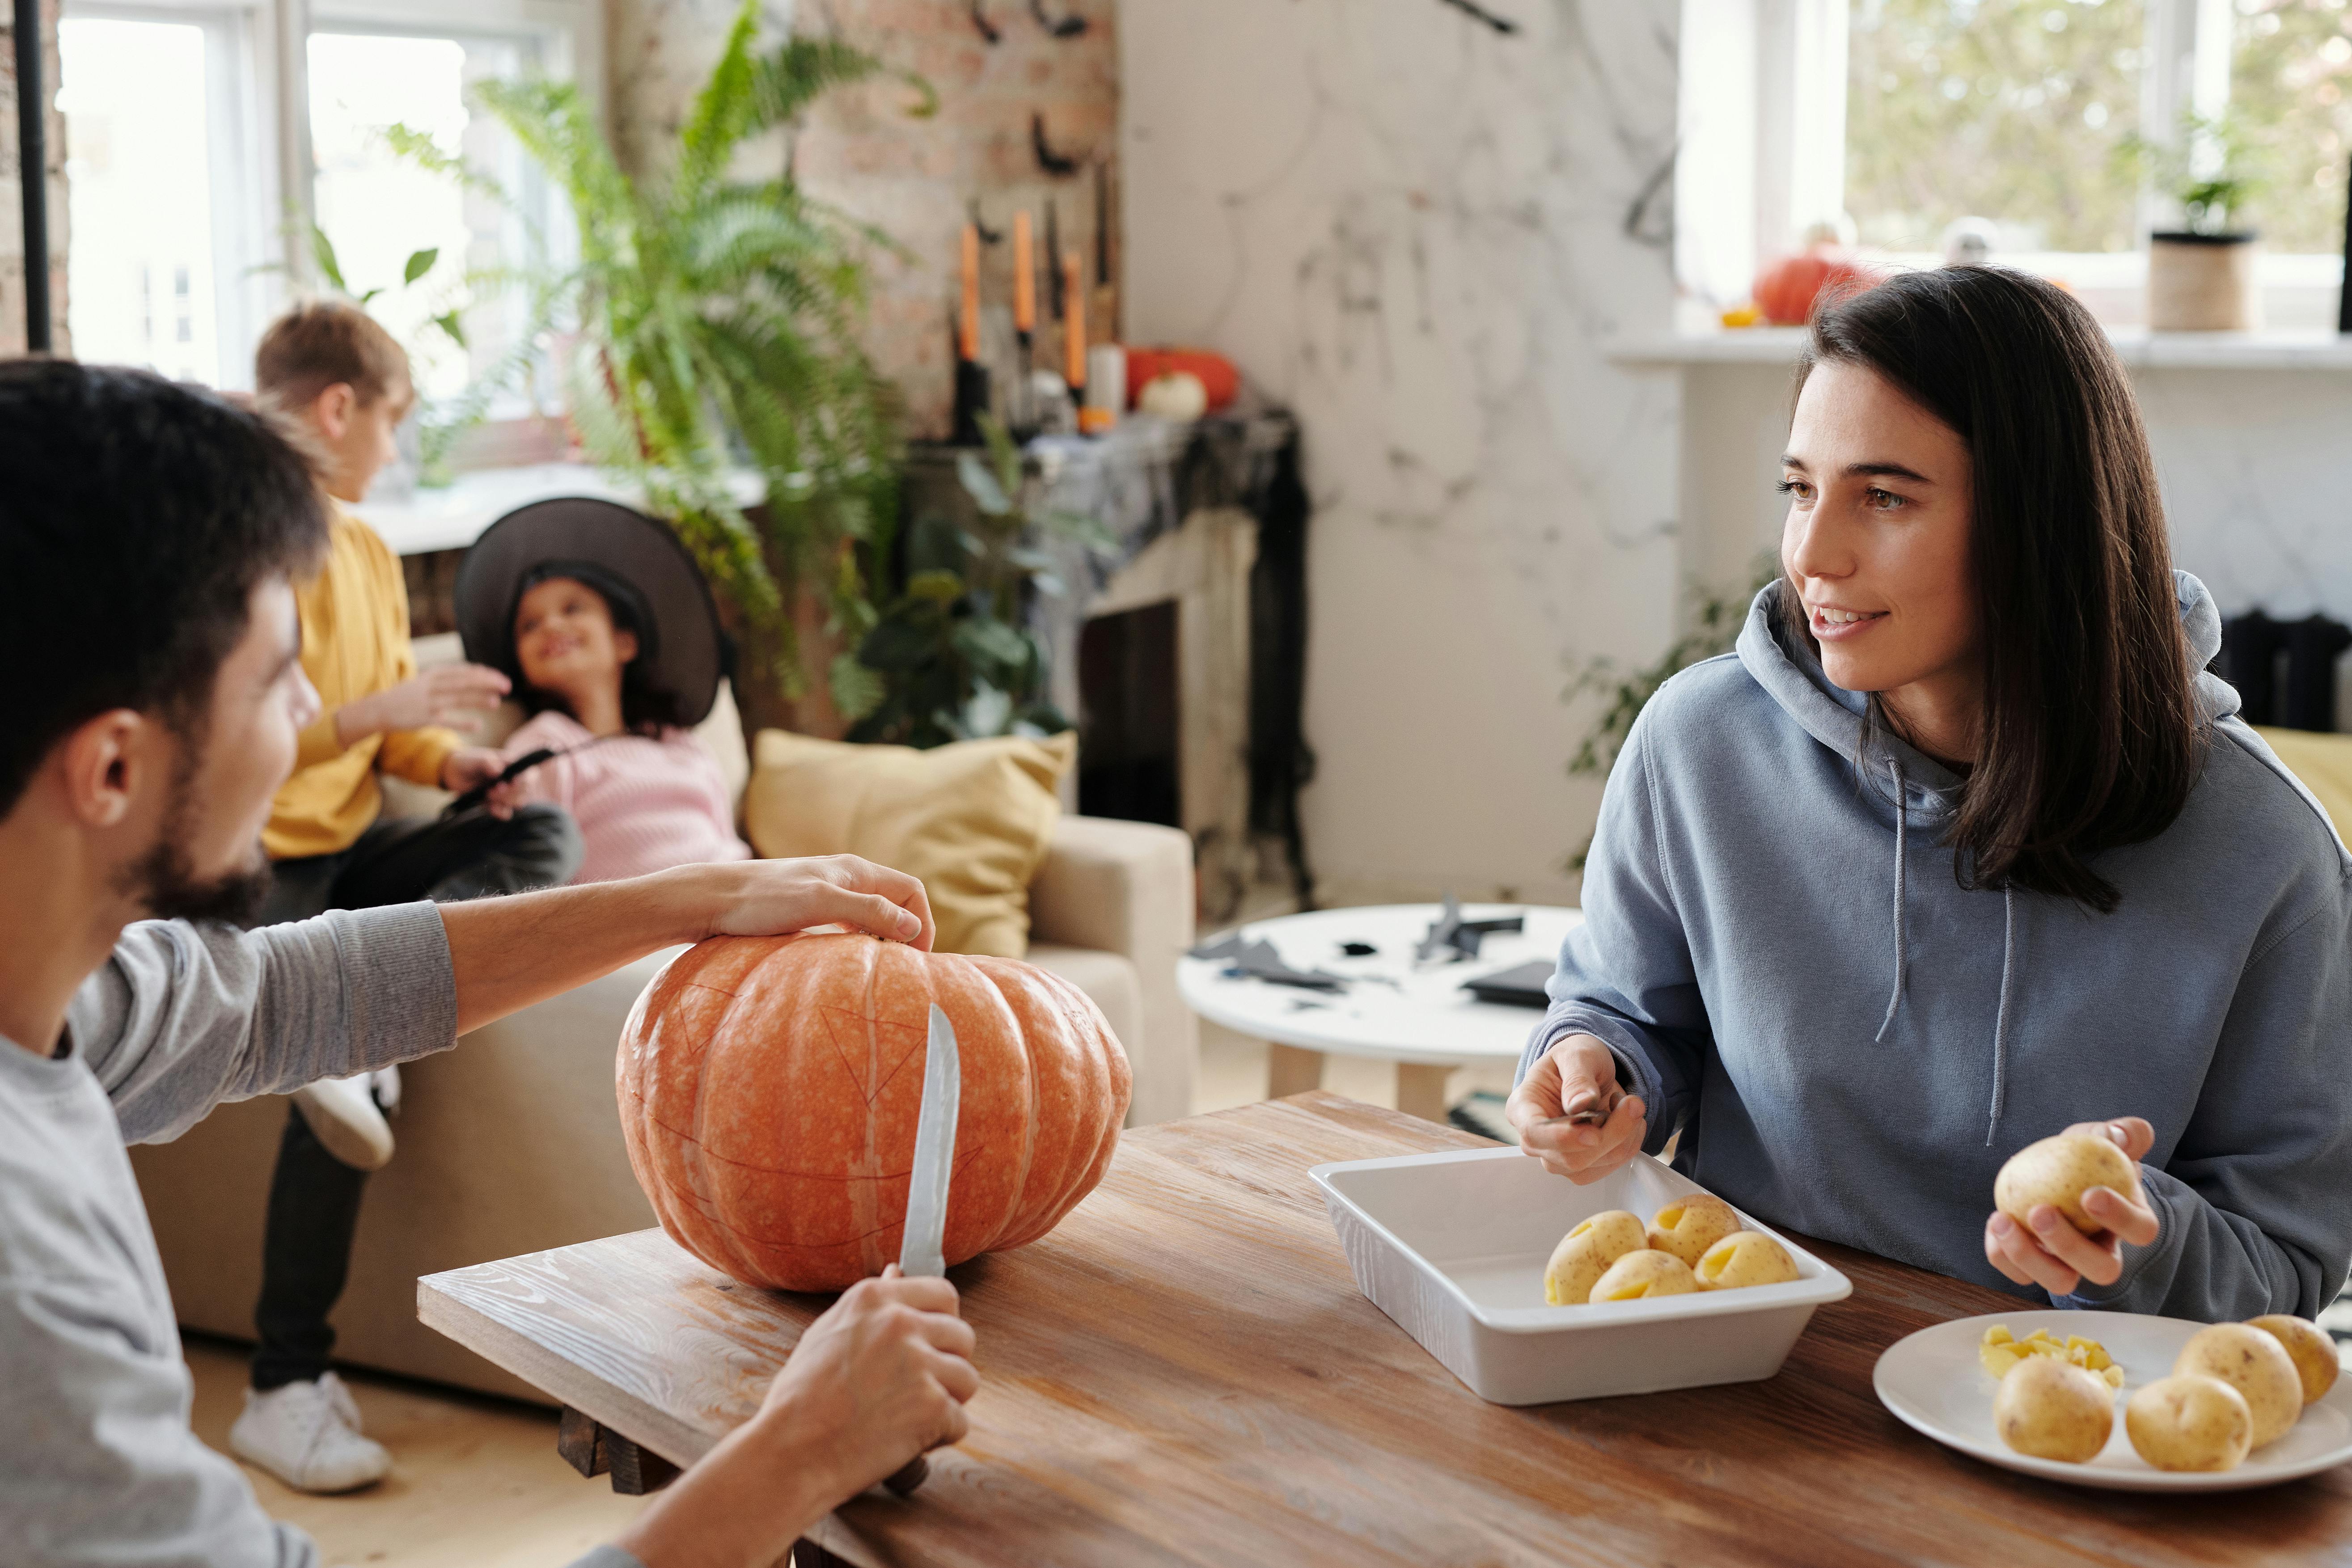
x=1916, y=785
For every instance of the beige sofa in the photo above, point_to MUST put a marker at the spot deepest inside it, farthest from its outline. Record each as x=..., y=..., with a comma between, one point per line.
x=510, y=1143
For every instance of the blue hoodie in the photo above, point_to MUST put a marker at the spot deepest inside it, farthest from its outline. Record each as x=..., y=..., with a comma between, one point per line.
x=1777, y=952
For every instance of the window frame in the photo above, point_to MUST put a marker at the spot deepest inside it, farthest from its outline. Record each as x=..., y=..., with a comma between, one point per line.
x=1761, y=120
x=258, y=98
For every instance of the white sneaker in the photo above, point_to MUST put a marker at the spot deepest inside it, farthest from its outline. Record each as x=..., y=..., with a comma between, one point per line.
x=343, y=1117
x=305, y=1434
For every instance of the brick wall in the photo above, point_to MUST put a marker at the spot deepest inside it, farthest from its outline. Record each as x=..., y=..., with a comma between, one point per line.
x=11, y=231
x=914, y=178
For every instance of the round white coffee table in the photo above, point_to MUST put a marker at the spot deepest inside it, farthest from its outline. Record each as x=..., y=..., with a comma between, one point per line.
x=1411, y=1012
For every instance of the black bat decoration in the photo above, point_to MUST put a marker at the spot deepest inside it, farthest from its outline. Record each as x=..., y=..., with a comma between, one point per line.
x=988, y=29
x=1069, y=26
x=1059, y=165
x=987, y=236
x=1476, y=12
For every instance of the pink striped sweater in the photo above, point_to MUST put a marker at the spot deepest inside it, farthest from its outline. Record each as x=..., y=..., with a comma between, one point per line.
x=643, y=804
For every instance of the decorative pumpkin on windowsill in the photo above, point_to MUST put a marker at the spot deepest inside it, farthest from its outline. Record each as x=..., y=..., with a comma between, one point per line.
x=770, y=1086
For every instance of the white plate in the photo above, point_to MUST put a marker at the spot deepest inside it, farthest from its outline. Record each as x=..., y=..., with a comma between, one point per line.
x=1935, y=1385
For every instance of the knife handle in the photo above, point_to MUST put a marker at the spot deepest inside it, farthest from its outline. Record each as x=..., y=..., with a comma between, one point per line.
x=915, y=1473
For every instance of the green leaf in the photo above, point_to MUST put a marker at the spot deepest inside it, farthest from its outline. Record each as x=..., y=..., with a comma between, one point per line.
x=420, y=262
x=322, y=254
x=451, y=323
x=856, y=690
x=897, y=646
x=982, y=486
x=985, y=640
x=369, y=295
x=945, y=587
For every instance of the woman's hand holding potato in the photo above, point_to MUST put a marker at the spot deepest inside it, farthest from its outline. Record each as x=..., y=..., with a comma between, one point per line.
x=1577, y=1075
x=2049, y=1251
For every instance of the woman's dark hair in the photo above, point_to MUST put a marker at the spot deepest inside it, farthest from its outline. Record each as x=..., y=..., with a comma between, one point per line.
x=2091, y=735
x=646, y=707
x=136, y=519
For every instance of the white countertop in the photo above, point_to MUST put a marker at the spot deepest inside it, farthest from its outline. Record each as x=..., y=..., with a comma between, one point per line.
x=2137, y=348
x=452, y=517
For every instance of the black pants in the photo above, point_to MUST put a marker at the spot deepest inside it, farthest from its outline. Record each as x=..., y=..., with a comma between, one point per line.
x=314, y=1198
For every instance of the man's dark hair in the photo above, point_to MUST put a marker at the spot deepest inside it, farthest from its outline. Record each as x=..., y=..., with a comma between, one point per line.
x=136, y=519
x=2091, y=734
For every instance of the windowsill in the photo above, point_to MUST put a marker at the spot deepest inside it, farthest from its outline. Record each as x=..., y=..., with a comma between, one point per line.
x=2138, y=349
x=452, y=516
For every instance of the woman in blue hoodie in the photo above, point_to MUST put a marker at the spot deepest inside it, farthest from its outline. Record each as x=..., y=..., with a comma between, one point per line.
x=1960, y=849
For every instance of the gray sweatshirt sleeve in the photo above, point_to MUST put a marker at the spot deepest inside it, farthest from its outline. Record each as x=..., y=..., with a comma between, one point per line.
x=184, y=1016
x=2251, y=1197
x=1625, y=974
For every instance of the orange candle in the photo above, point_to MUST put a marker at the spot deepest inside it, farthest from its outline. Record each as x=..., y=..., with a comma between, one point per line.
x=1073, y=321
x=968, y=320
x=1024, y=276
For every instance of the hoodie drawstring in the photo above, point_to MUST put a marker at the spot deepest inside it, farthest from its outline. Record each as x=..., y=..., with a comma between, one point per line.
x=2001, y=1017
x=1902, y=820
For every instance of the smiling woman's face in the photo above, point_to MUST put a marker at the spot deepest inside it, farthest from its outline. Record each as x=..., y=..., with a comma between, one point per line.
x=1878, y=543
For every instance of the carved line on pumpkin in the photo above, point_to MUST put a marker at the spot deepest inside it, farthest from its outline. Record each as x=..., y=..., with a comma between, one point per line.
x=688, y=1140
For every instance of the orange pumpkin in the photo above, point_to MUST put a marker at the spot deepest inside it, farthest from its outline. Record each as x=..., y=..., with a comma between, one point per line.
x=1787, y=291
x=770, y=1086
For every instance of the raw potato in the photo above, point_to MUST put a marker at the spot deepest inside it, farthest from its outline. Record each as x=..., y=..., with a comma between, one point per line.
x=2058, y=1172
x=1745, y=1257
x=1688, y=1226
x=2256, y=1365
x=2054, y=1411
x=2189, y=1422
x=1584, y=1255
x=1644, y=1273
x=2000, y=1352
x=2312, y=1351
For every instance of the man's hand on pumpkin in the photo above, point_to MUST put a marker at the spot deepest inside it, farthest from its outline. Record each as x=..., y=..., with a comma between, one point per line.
x=764, y=897
x=881, y=1377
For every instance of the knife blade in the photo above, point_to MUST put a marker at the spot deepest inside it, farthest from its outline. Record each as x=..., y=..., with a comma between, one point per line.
x=921, y=1249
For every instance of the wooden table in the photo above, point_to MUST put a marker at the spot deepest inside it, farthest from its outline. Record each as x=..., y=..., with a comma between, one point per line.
x=1184, y=1373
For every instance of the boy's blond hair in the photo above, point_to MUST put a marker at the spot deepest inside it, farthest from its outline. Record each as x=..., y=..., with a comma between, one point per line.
x=321, y=343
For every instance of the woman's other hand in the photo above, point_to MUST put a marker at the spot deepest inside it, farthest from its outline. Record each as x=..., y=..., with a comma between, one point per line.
x=469, y=767
x=1577, y=1074
x=2050, y=1252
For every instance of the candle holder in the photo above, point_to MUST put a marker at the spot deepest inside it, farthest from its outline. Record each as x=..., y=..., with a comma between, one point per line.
x=970, y=401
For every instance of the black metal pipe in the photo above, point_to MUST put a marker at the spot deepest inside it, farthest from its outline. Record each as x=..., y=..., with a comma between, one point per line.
x=33, y=175
x=2344, y=294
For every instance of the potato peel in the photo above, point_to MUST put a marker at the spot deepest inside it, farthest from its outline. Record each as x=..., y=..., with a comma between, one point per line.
x=2001, y=1351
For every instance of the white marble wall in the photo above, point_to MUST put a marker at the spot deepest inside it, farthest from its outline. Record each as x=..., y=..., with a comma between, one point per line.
x=1411, y=228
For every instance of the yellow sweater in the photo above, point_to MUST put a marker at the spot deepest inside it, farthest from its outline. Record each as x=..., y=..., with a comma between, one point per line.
x=355, y=642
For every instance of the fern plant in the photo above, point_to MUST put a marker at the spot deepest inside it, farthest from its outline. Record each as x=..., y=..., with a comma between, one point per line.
x=713, y=329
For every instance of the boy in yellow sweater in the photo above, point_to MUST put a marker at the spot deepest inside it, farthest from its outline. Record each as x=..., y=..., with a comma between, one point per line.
x=331, y=368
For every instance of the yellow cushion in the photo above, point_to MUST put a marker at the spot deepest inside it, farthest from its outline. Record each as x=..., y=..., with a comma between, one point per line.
x=2323, y=761
x=972, y=819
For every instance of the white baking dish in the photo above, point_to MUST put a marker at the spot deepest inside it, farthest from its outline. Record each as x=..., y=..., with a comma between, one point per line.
x=1453, y=1247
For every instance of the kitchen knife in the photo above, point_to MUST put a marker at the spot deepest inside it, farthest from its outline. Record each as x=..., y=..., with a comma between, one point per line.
x=921, y=1251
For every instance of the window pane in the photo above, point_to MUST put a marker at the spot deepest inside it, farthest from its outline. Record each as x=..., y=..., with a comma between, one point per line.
x=140, y=279
x=378, y=210
x=2287, y=85
x=2006, y=110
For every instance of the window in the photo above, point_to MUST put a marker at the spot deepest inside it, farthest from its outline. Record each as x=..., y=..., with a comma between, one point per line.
x=2010, y=109
x=153, y=271
x=1901, y=116
x=202, y=149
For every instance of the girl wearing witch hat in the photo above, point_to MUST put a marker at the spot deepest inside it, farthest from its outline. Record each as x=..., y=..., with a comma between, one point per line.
x=600, y=619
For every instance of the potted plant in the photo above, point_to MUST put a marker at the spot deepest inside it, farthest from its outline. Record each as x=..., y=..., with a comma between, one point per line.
x=711, y=331
x=2200, y=276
